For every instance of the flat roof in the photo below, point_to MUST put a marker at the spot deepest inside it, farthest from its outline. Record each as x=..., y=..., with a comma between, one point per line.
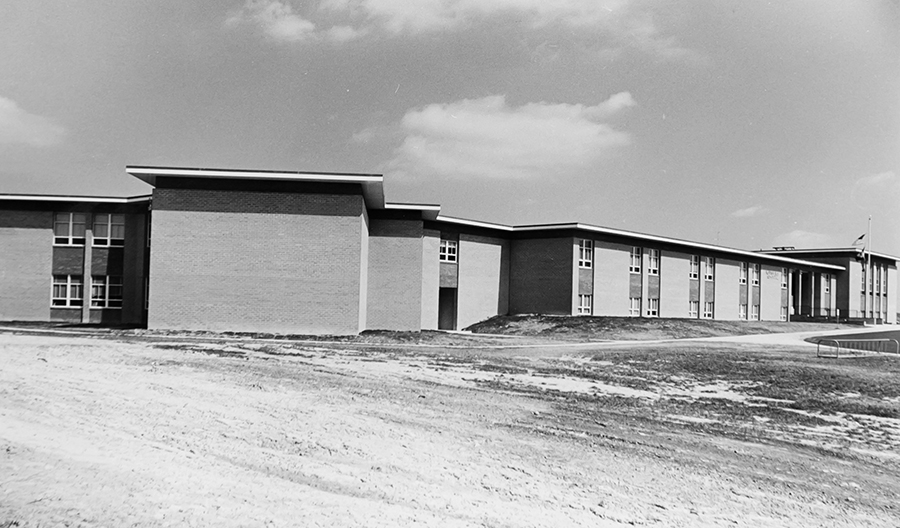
x=372, y=184
x=855, y=250
x=75, y=198
x=639, y=236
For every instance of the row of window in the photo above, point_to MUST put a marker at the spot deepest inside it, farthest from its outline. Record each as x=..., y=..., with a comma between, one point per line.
x=69, y=229
x=585, y=304
x=879, y=276
x=68, y=291
x=586, y=260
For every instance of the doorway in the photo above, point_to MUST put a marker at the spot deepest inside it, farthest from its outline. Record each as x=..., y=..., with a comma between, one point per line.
x=447, y=309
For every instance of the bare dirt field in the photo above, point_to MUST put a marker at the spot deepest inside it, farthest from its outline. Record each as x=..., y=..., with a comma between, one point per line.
x=135, y=429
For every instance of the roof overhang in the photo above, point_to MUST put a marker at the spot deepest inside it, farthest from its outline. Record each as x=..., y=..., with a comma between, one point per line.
x=829, y=251
x=428, y=211
x=640, y=236
x=71, y=198
x=372, y=184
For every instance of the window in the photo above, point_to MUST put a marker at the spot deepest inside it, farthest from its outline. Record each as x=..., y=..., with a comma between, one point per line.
x=652, y=307
x=754, y=277
x=709, y=273
x=743, y=279
x=653, y=262
x=109, y=230
x=635, y=260
x=67, y=291
x=68, y=229
x=742, y=311
x=784, y=278
x=784, y=313
x=695, y=267
x=863, y=285
x=585, y=253
x=694, y=306
x=754, y=312
x=584, y=304
x=448, y=250
x=106, y=292
x=635, y=306
x=826, y=283
x=877, y=280
x=708, y=310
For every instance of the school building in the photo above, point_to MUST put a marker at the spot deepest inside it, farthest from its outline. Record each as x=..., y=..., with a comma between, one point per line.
x=324, y=253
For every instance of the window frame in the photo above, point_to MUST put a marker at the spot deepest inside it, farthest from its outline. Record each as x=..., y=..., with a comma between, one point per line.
x=709, y=310
x=70, y=239
x=784, y=278
x=585, y=253
x=70, y=284
x=632, y=310
x=826, y=285
x=694, y=309
x=754, y=312
x=709, y=269
x=742, y=311
x=754, y=275
x=745, y=273
x=448, y=251
x=585, y=308
x=694, y=271
x=783, y=313
x=636, y=256
x=653, y=260
x=653, y=307
x=109, y=240
x=106, y=284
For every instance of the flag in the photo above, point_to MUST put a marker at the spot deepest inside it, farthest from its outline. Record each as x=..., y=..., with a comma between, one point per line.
x=859, y=240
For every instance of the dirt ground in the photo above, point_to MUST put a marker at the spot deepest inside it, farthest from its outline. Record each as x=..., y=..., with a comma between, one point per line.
x=205, y=432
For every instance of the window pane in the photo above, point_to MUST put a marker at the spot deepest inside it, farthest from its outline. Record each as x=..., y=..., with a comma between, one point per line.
x=117, y=226
x=61, y=225
x=78, y=222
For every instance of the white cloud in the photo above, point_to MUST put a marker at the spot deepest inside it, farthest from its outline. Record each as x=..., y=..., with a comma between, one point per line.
x=487, y=138
x=19, y=127
x=277, y=19
x=344, y=20
x=748, y=212
x=805, y=239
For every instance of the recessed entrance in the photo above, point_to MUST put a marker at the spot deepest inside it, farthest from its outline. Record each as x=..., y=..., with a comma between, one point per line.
x=447, y=309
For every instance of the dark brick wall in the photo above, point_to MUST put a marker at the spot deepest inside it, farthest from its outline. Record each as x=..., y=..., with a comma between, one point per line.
x=540, y=275
x=26, y=264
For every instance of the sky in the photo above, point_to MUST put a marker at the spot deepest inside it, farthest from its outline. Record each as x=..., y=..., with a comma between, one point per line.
x=744, y=124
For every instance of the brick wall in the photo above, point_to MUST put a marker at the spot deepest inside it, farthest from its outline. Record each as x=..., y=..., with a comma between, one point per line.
x=770, y=293
x=483, y=278
x=26, y=254
x=431, y=243
x=675, y=284
x=540, y=276
x=612, y=281
x=395, y=274
x=245, y=261
x=728, y=289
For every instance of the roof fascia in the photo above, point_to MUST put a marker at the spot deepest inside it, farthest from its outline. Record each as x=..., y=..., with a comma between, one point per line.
x=75, y=198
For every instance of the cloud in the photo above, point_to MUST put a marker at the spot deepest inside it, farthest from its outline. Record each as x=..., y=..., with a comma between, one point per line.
x=344, y=20
x=487, y=138
x=748, y=212
x=277, y=19
x=805, y=239
x=19, y=127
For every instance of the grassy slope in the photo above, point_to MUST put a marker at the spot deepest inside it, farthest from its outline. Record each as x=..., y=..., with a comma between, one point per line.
x=633, y=328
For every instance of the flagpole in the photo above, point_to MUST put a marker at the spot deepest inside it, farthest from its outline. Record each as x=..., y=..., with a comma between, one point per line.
x=870, y=302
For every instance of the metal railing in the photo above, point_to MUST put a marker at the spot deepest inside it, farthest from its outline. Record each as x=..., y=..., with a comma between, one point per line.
x=837, y=348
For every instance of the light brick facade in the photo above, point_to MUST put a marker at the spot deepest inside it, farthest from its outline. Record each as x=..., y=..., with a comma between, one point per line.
x=311, y=253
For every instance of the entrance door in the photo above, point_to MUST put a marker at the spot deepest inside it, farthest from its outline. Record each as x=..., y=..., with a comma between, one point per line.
x=447, y=309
